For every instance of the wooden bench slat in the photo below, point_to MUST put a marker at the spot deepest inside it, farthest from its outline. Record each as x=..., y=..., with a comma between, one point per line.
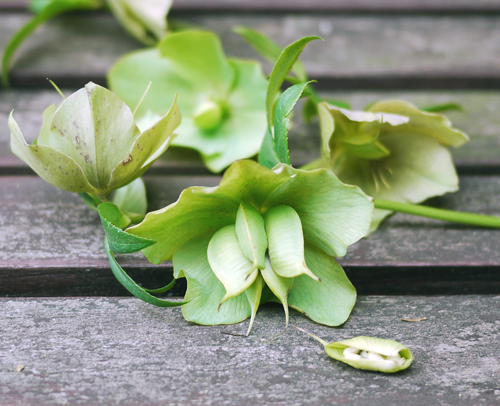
x=115, y=351
x=481, y=119
x=395, y=51
x=51, y=244
x=317, y=5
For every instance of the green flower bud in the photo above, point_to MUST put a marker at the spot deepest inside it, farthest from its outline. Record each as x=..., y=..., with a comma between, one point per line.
x=208, y=116
x=91, y=144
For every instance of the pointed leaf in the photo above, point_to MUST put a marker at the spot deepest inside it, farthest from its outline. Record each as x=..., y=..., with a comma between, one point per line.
x=278, y=285
x=205, y=291
x=439, y=108
x=267, y=154
x=129, y=284
x=251, y=234
x=229, y=263
x=280, y=71
x=254, y=294
x=329, y=302
x=120, y=241
x=286, y=242
x=268, y=49
x=284, y=107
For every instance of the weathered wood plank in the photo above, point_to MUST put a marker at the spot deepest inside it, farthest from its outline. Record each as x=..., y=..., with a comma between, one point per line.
x=395, y=51
x=481, y=119
x=317, y=5
x=124, y=352
x=51, y=244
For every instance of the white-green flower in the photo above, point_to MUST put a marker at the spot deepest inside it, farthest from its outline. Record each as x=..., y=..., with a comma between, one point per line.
x=91, y=144
x=392, y=151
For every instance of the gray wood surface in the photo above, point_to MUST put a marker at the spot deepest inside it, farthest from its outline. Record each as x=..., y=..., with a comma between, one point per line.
x=109, y=351
x=51, y=244
x=319, y=5
x=359, y=51
x=480, y=119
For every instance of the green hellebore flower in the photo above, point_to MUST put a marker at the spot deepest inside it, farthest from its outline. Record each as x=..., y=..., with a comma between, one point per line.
x=146, y=20
x=91, y=144
x=261, y=235
x=392, y=151
x=222, y=100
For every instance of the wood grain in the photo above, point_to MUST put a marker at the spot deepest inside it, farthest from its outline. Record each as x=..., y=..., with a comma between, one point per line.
x=363, y=52
x=110, y=351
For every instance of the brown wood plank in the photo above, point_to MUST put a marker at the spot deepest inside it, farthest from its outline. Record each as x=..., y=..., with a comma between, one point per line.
x=380, y=51
x=51, y=244
x=481, y=119
x=317, y=5
x=110, y=351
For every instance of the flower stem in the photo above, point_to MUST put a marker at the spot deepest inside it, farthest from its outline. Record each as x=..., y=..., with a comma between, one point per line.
x=440, y=214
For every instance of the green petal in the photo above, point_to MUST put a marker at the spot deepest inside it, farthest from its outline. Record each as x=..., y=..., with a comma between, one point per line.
x=251, y=234
x=205, y=292
x=333, y=214
x=286, y=242
x=132, y=200
x=329, y=302
x=376, y=345
x=201, y=211
x=421, y=123
x=96, y=129
x=51, y=165
x=254, y=294
x=148, y=147
x=278, y=285
x=228, y=262
x=45, y=134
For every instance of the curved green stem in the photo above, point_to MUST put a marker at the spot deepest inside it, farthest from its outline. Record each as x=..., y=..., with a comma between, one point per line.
x=439, y=214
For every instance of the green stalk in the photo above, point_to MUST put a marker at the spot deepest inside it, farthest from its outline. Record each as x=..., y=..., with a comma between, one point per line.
x=439, y=214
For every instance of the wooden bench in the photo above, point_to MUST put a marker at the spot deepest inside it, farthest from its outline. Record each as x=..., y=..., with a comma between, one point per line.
x=82, y=341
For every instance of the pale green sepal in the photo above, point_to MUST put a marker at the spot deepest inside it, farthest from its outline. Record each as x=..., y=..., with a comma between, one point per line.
x=51, y=165
x=286, y=242
x=333, y=215
x=146, y=148
x=329, y=302
x=421, y=123
x=131, y=200
x=251, y=234
x=205, y=291
x=96, y=128
x=278, y=285
x=254, y=294
x=383, y=347
x=229, y=263
x=45, y=133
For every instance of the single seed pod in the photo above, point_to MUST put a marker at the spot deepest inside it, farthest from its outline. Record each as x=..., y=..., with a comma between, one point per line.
x=374, y=354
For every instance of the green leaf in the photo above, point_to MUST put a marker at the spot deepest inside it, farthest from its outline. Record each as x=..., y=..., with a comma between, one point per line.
x=46, y=10
x=131, y=200
x=129, y=284
x=229, y=263
x=268, y=49
x=309, y=110
x=251, y=234
x=254, y=294
x=205, y=291
x=284, y=107
x=267, y=154
x=439, y=108
x=329, y=302
x=278, y=285
x=120, y=241
x=286, y=242
x=283, y=65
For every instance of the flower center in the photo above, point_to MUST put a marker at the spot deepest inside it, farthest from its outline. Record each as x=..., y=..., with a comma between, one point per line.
x=209, y=115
